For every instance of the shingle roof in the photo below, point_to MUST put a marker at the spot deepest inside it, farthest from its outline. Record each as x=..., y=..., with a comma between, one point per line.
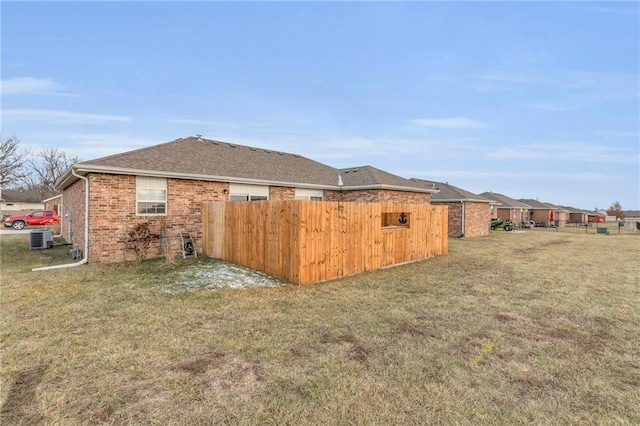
x=449, y=192
x=535, y=204
x=198, y=158
x=371, y=176
x=20, y=196
x=195, y=156
x=505, y=201
x=575, y=210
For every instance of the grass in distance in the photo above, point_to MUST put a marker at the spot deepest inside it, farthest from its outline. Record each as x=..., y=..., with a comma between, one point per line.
x=538, y=327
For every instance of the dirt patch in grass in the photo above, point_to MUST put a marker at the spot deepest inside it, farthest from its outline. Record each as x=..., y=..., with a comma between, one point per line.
x=199, y=364
x=554, y=243
x=413, y=329
x=356, y=350
x=221, y=375
x=19, y=404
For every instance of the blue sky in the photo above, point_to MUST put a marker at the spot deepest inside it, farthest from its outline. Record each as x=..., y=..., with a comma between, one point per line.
x=532, y=100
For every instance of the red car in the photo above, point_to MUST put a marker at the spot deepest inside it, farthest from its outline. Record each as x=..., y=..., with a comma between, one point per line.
x=35, y=218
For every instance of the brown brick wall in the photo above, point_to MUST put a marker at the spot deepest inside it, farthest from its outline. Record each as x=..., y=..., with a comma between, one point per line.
x=73, y=206
x=54, y=204
x=282, y=193
x=455, y=218
x=561, y=218
x=377, y=196
x=540, y=215
x=511, y=214
x=578, y=218
x=477, y=218
x=112, y=214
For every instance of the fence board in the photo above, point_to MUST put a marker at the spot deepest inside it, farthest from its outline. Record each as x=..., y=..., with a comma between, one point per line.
x=308, y=241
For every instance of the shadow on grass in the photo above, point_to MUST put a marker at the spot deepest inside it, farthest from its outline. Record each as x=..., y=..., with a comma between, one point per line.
x=22, y=394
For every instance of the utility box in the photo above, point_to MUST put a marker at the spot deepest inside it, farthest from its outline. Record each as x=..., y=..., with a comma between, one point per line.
x=41, y=239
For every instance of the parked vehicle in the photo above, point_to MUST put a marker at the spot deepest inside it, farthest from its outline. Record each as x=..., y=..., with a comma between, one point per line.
x=500, y=224
x=34, y=218
x=529, y=224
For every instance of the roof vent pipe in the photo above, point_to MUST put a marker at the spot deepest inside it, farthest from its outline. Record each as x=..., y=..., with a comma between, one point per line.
x=86, y=230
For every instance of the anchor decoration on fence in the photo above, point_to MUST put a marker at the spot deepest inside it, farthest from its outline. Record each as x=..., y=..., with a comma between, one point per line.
x=403, y=218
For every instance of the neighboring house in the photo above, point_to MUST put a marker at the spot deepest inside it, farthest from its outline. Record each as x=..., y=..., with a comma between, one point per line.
x=576, y=216
x=545, y=214
x=15, y=201
x=562, y=214
x=469, y=213
x=164, y=185
x=509, y=209
x=53, y=203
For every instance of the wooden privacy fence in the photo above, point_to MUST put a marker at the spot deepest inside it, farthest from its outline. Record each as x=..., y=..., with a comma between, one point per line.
x=308, y=241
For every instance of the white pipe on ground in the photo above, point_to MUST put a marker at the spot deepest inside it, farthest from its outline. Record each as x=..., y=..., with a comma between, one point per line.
x=86, y=231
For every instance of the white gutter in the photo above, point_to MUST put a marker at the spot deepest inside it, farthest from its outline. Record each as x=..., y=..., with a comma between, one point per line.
x=86, y=231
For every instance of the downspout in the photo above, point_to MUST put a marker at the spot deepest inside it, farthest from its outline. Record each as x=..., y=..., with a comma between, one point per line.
x=463, y=220
x=86, y=231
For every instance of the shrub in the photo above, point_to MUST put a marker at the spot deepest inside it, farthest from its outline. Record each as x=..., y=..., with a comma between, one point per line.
x=139, y=240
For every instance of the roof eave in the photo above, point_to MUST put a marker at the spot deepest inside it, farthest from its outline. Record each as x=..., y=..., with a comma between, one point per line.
x=458, y=200
x=88, y=168
x=84, y=169
x=390, y=187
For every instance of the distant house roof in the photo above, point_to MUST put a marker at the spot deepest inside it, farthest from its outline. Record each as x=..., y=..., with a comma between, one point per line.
x=535, y=204
x=575, y=210
x=20, y=196
x=505, y=201
x=368, y=176
x=204, y=159
x=449, y=192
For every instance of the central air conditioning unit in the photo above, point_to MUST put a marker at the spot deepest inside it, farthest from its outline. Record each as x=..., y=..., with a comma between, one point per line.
x=41, y=239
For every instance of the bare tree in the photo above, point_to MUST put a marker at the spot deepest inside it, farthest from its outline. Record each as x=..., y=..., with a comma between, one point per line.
x=46, y=167
x=616, y=210
x=12, y=161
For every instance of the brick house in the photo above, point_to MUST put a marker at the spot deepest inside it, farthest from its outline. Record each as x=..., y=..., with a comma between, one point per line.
x=469, y=213
x=508, y=209
x=53, y=203
x=545, y=214
x=17, y=201
x=165, y=185
x=576, y=216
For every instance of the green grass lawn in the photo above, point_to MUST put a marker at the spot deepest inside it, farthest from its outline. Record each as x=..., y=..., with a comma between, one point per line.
x=532, y=327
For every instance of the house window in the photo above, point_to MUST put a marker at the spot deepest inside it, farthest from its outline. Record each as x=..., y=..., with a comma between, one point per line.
x=309, y=194
x=242, y=192
x=247, y=197
x=151, y=195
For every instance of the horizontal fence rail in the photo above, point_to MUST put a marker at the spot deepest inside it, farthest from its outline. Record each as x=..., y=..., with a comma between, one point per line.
x=309, y=241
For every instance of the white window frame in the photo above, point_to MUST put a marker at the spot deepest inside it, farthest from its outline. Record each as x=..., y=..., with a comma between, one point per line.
x=154, y=189
x=309, y=194
x=244, y=192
